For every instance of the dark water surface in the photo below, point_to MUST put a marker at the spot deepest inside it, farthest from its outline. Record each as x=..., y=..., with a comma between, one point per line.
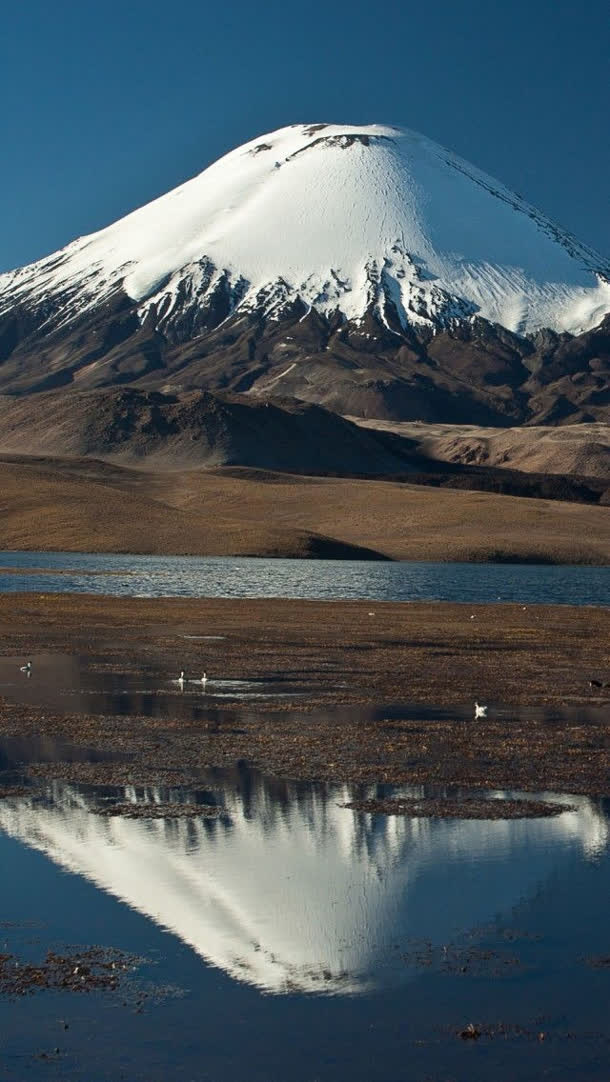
x=295, y=939
x=193, y=576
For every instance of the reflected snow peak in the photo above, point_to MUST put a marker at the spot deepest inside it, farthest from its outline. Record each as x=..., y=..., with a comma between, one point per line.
x=290, y=891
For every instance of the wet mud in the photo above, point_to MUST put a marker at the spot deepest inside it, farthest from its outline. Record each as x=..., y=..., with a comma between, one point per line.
x=161, y=811
x=508, y=754
x=92, y=969
x=7, y=791
x=464, y=808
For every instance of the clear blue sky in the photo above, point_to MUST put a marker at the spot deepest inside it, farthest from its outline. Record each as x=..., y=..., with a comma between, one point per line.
x=108, y=104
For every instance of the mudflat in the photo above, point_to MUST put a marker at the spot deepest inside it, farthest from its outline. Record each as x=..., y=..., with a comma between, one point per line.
x=92, y=505
x=347, y=656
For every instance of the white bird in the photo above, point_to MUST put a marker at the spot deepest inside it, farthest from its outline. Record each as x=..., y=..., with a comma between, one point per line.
x=480, y=711
x=180, y=679
x=200, y=680
x=26, y=668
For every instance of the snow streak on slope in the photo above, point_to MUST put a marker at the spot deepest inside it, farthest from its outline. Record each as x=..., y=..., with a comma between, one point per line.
x=343, y=218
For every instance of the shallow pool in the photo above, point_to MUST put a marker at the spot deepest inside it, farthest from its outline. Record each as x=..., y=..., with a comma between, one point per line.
x=294, y=938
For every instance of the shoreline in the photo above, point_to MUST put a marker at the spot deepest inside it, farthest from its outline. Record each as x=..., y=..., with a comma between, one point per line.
x=477, y=560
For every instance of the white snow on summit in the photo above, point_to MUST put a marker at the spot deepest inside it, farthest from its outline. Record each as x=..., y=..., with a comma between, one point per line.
x=342, y=217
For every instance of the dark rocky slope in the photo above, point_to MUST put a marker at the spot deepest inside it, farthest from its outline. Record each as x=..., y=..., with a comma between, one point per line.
x=195, y=429
x=476, y=372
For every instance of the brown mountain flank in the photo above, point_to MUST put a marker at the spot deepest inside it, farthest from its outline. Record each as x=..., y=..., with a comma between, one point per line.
x=88, y=505
x=195, y=428
x=581, y=450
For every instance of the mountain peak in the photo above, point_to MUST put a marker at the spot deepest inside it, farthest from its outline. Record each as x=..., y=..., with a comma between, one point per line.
x=338, y=218
x=361, y=267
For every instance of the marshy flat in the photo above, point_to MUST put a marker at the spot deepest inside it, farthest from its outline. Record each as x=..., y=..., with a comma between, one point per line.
x=199, y=838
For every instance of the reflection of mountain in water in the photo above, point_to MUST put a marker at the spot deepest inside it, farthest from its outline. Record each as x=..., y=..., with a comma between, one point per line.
x=293, y=892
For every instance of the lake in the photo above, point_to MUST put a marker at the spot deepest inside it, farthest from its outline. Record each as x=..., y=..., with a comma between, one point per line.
x=291, y=938
x=192, y=576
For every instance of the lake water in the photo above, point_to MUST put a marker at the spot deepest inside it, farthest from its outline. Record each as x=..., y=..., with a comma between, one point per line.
x=295, y=939
x=191, y=576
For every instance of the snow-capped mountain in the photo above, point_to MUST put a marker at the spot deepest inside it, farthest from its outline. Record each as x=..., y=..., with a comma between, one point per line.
x=373, y=234
x=337, y=217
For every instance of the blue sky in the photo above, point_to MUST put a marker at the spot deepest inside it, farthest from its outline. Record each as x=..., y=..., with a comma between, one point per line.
x=106, y=105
